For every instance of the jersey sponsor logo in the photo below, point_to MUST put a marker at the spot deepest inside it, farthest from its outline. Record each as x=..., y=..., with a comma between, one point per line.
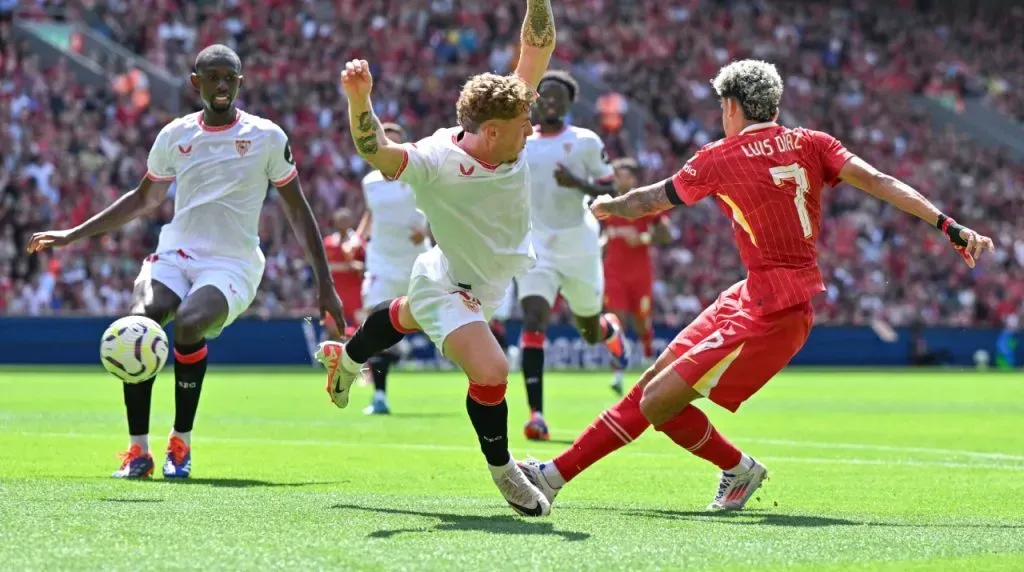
x=242, y=146
x=466, y=172
x=604, y=156
x=288, y=154
x=689, y=170
x=185, y=150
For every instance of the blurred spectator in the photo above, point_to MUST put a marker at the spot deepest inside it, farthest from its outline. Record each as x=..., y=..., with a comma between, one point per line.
x=67, y=150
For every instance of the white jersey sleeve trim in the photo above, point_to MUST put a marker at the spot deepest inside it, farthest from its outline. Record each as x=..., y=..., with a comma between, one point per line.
x=157, y=178
x=401, y=168
x=287, y=179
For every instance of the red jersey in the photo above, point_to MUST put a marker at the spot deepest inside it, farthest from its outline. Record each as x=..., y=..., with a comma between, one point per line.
x=344, y=255
x=619, y=254
x=769, y=180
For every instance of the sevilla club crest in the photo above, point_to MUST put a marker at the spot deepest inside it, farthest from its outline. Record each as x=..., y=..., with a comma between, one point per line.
x=567, y=147
x=242, y=146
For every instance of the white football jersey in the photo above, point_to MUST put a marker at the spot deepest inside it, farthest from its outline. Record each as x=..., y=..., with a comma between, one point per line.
x=390, y=254
x=582, y=152
x=479, y=214
x=222, y=175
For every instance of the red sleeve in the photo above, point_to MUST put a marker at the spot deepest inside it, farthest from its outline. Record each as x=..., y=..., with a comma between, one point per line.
x=833, y=156
x=694, y=182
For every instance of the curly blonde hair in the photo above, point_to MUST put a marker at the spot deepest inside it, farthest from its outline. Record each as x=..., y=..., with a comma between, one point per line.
x=490, y=96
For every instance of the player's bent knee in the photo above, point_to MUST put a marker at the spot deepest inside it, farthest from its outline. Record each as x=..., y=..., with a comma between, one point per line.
x=191, y=326
x=495, y=372
x=654, y=408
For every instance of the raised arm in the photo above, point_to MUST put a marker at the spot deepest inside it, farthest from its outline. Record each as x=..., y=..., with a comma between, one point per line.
x=367, y=133
x=537, y=41
x=865, y=177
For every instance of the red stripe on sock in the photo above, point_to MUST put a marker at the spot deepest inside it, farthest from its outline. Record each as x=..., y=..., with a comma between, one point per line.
x=193, y=357
x=393, y=310
x=648, y=342
x=533, y=340
x=613, y=428
x=692, y=430
x=487, y=394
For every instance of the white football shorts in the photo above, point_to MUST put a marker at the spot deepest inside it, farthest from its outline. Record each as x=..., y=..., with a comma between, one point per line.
x=440, y=306
x=184, y=272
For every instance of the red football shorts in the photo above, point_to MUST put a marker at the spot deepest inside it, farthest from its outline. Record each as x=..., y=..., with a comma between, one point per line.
x=628, y=293
x=727, y=354
x=352, y=300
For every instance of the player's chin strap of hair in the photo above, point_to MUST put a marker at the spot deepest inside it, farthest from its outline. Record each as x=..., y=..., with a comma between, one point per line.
x=951, y=229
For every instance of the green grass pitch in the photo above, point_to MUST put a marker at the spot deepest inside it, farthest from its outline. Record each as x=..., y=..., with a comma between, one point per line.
x=869, y=470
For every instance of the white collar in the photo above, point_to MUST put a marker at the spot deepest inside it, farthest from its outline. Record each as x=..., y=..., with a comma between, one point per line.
x=758, y=127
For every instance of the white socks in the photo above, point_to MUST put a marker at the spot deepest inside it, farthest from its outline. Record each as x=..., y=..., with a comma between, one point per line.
x=186, y=436
x=551, y=474
x=746, y=463
x=141, y=441
x=497, y=472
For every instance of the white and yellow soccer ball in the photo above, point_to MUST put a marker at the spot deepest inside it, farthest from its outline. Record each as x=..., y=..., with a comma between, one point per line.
x=134, y=349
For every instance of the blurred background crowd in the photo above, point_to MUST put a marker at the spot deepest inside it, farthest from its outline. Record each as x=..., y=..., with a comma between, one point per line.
x=67, y=150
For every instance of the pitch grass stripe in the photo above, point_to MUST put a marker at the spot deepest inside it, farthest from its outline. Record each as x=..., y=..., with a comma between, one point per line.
x=625, y=452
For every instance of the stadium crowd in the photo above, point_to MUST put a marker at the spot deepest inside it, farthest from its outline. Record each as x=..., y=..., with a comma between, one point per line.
x=67, y=150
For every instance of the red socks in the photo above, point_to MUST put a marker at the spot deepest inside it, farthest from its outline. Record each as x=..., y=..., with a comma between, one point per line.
x=692, y=430
x=615, y=427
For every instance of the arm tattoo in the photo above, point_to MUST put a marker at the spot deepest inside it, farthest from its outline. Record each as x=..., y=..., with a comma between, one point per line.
x=367, y=144
x=539, y=26
x=365, y=121
x=647, y=200
x=367, y=140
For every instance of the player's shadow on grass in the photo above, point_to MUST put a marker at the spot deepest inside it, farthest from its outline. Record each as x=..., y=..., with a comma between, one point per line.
x=760, y=517
x=243, y=483
x=747, y=517
x=503, y=524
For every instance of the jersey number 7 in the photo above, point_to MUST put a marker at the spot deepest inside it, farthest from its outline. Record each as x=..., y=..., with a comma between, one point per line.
x=798, y=175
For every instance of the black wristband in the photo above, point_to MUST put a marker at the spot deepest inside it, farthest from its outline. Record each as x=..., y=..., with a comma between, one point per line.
x=951, y=229
x=670, y=192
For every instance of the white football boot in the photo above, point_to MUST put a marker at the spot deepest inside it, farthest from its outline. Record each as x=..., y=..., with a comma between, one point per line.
x=735, y=489
x=341, y=371
x=534, y=471
x=522, y=496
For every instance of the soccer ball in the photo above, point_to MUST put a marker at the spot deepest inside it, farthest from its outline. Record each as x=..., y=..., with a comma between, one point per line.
x=134, y=349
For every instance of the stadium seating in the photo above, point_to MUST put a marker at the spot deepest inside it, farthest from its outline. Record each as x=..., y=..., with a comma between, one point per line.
x=66, y=150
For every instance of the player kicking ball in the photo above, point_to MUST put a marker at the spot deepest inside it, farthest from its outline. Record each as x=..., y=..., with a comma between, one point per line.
x=768, y=179
x=628, y=270
x=472, y=183
x=568, y=164
x=397, y=233
x=208, y=263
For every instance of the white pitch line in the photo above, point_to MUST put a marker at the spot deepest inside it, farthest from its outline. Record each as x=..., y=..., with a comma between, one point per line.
x=463, y=449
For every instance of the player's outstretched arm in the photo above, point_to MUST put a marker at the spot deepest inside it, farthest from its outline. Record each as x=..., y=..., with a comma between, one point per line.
x=643, y=201
x=303, y=223
x=133, y=204
x=537, y=41
x=367, y=133
x=865, y=177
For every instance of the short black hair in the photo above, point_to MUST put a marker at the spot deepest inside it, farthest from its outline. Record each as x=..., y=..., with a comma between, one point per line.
x=563, y=78
x=217, y=53
x=388, y=126
x=627, y=163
